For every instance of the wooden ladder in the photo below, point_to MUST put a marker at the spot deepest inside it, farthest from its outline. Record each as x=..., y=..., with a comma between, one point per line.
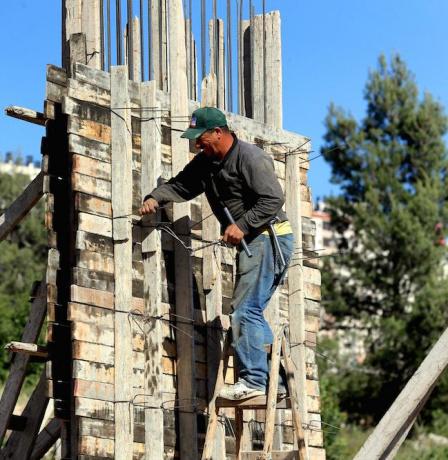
x=271, y=402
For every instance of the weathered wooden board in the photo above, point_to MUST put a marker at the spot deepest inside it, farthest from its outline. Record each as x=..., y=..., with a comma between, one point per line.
x=21, y=206
x=18, y=367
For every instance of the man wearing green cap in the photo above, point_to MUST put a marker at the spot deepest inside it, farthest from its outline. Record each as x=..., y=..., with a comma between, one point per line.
x=239, y=178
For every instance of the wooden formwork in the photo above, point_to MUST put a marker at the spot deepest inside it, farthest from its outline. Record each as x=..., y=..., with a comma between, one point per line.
x=137, y=308
x=151, y=344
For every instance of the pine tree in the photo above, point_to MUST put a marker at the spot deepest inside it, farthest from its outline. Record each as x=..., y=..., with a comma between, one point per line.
x=387, y=277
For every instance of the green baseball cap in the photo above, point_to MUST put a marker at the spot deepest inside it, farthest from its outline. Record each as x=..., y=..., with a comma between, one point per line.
x=204, y=119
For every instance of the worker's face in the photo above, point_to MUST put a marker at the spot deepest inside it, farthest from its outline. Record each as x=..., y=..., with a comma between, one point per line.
x=209, y=141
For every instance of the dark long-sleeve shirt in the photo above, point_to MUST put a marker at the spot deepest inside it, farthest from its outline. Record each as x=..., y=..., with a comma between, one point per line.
x=244, y=181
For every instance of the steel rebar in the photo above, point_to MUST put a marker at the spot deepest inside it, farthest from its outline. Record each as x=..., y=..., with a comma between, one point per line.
x=229, y=58
x=142, y=44
x=118, y=32
x=130, y=50
x=264, y=64
x=102, y=54
x=203, y=38
x=109, y=48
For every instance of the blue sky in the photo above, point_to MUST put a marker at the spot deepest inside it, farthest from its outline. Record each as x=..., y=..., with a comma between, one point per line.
x=328, y=48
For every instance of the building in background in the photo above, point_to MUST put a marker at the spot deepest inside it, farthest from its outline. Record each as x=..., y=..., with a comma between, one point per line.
x=16, y=165
x=350, y=337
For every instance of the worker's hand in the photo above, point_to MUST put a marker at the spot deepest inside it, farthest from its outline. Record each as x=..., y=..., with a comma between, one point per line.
x=233, y=234
x=149, y=207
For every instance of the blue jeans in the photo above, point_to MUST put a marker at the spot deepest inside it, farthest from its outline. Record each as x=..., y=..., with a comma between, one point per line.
x=257, y=278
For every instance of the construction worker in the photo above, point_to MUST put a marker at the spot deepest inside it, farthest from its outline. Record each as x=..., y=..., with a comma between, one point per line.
x=240, y=177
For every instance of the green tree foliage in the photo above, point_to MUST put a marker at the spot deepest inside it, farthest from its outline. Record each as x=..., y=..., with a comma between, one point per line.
x=387, y=277
x=22, y=261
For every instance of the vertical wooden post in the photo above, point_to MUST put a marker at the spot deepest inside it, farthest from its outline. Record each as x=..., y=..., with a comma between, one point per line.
x=91, y=26
x=159, y=43
x=218, y=70
x=186, y=381
x=71, y=24
x=246, y=70
x=273, y=86
x=122, y=237
x=257, y=69
x=136, y=50
x=212, y=285
x=295, y=283
x=152, y=282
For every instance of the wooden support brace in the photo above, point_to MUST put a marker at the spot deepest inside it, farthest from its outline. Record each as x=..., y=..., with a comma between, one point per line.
x=21, y=206
x=388, y=434
x=20, y=443
x=17, y=371
x=46, y=438
x=30, y=349
x=38, y=118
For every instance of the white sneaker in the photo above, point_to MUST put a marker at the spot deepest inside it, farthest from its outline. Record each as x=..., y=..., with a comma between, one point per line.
x=239, y=391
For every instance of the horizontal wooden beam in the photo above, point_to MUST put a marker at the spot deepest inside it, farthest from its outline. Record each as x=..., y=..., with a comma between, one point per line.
x=275, y=455
x=38, y=118
x=21, y=206
x=31, y=349
x=257, y=402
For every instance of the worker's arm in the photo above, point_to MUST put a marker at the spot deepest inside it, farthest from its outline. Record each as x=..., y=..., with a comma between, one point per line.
x=185, y=186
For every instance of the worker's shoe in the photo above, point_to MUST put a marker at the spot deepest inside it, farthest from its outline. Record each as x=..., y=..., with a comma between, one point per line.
x=240, y=390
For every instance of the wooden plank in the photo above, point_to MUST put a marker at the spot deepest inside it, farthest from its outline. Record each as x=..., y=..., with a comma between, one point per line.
x=21, y=206
x=257, y=55
x=92, y=352
x=212, y=285
x=136, y=51
x=122, y=235
x=152, y=282
x=216, y=30
x=46, y=438
x=300, y=435
x=91, y=27
x=91, y=167
x=275, y=455
x=18, y=367
x=268, y=134
x=95, y=224
x=30, y=349
x=296, y=285
x=38, y=118
x=183, y=269
x=88, y=147
x=272, y=391
x=273, y=85
x=93, y=205
x=89, y=129
x=20, y=443
x=401, y=415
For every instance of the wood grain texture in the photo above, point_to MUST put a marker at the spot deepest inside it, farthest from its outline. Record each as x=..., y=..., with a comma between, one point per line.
x=183, y=270
x=122, y=234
